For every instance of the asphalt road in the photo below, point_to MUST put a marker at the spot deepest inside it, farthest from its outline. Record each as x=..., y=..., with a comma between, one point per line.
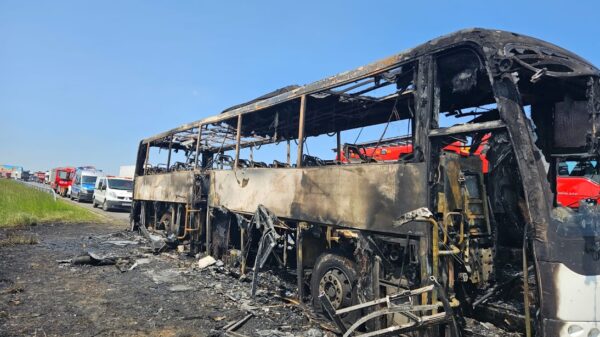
x=139, y=294
x=117, y=215
x=114, y=215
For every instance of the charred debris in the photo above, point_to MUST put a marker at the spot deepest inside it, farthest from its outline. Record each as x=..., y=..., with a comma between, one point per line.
x=264, y=296
x=248, y=307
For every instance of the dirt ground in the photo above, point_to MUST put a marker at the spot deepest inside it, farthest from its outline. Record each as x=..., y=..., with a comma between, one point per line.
x=102, y=280
x=43, y=294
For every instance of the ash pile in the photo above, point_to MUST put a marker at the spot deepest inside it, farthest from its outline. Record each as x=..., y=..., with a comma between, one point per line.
x=229, y=307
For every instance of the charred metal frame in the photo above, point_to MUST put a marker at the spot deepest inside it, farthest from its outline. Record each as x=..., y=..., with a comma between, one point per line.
x=301, y=112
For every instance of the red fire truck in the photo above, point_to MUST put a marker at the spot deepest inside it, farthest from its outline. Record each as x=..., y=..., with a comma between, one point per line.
x=392, y=149
x=577, y=179
x=41, y=177
x=61, y=178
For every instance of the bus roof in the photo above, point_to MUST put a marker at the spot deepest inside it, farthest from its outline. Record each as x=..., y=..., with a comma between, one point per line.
x=490, y=42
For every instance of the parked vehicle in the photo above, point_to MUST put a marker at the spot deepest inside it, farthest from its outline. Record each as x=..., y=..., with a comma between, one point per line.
x=61, y=179
x=83, y=185
x=113, y=193
x=578, y=180
x=41, y=177
x=127, y=171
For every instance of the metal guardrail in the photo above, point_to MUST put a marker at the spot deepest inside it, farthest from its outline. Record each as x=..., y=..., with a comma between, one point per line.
x=39, y=187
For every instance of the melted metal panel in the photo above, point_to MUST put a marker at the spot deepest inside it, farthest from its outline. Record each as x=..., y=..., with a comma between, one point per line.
x=571, y=120
x=367, y=197
x=171, y=187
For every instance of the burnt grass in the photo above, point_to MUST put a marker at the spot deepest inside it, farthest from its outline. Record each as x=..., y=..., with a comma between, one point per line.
x=164, y=295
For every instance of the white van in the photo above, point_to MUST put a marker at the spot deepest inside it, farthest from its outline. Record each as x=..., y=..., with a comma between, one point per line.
x=113, y=193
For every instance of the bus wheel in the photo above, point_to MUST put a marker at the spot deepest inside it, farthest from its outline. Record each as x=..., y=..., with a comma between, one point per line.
x=335, y=276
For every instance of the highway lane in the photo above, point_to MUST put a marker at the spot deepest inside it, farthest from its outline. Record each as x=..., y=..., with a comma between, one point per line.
x=119, y=216
x=116, y=215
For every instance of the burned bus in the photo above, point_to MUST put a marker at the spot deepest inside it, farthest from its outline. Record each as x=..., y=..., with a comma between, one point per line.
x=420, y=245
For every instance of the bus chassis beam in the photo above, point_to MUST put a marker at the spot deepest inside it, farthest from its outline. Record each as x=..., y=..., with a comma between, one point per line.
x=406, y=309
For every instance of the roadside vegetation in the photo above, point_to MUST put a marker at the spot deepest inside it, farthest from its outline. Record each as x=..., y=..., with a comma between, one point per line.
x=21, y=205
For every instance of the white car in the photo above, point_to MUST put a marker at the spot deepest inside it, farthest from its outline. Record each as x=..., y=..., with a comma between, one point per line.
x=113, y=193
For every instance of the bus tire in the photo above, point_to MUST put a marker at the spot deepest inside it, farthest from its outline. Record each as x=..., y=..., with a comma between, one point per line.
x=336, y=276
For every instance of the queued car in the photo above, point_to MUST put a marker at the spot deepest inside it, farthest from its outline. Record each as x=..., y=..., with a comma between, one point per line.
x=84, y=183
x=61, y=179
x=113, y=193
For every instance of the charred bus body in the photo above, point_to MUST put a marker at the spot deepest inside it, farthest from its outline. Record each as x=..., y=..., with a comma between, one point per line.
x=417, y=244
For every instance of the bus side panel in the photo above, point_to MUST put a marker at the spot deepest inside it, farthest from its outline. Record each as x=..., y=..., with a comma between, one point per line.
x=367, y=197
x=168, y=187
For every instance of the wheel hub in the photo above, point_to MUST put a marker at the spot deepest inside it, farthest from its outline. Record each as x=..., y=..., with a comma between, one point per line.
x=336, y=286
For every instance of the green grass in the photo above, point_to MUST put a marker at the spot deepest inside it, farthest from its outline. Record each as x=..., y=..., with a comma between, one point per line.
x=22, y=205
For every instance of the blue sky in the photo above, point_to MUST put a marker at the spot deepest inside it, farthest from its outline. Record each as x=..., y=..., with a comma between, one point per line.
x=82, y=82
